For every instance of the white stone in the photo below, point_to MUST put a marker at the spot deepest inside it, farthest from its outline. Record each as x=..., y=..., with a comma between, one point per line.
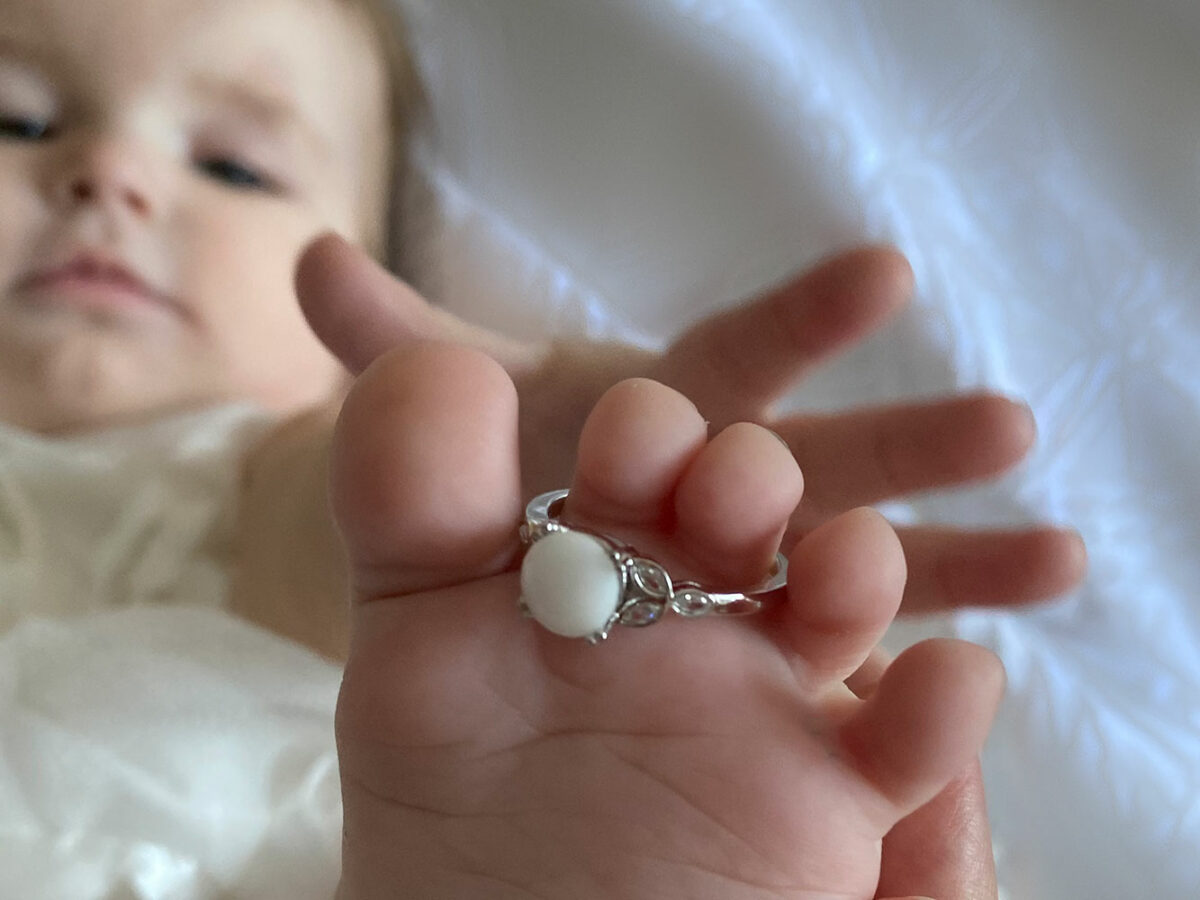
x=570, y=584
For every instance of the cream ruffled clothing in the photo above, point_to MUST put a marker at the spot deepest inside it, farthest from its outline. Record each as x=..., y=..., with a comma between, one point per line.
x=127, y=516
x=151, y=745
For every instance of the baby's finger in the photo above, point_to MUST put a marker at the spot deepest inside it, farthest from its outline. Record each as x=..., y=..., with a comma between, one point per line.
x=845, y=580
x=634, y=448
x=925, y=722
x=740, y=361
x=360, y=310
x=424, y=473
x=950, y=568
x=733, y=504
x=868, y=455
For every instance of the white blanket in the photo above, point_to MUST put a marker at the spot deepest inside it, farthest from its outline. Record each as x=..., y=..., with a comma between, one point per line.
x=621, y=168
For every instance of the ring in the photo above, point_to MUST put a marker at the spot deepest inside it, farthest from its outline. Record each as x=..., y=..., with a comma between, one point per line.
x=579, y=583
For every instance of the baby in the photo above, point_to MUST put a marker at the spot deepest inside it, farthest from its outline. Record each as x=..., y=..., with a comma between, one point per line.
x=167, y=171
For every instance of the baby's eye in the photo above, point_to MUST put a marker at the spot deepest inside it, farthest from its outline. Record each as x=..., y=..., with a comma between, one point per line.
x=237, y=175
x=20, y=128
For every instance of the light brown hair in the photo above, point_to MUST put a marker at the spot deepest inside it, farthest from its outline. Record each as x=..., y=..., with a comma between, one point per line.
x=406, y=108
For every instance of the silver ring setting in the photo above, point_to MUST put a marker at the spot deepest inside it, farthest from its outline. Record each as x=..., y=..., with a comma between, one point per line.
x=579, y=583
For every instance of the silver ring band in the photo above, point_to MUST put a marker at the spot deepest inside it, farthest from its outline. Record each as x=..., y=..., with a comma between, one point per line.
x=644, y=590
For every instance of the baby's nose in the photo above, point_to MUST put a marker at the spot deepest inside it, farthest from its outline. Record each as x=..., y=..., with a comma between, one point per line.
x=106, y=171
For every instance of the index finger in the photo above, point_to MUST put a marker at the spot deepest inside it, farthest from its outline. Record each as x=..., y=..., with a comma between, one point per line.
x=738, y=362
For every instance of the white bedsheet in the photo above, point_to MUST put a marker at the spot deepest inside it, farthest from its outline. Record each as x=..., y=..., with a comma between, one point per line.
x=621, y=168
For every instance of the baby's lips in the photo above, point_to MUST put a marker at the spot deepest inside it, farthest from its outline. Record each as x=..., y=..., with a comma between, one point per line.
x=94, y=269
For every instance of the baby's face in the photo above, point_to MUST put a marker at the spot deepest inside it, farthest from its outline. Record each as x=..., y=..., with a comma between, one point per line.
x=162, y=163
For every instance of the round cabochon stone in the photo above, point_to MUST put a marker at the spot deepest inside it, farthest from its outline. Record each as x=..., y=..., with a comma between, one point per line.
x=570, y=584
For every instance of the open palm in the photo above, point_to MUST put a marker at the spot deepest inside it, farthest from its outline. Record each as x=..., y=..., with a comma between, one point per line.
x=484, y=757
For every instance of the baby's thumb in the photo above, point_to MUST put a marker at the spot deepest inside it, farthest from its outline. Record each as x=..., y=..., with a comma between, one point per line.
x=360, y=310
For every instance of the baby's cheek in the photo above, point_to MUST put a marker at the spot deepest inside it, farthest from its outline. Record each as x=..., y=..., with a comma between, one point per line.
x=280, y=365
x=259, y=344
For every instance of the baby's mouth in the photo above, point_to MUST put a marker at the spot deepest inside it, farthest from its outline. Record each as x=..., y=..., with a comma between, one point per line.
x=92, y=282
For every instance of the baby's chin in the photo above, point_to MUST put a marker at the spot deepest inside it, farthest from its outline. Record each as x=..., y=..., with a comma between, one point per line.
x=64, y=417
x=88, y=394
x=59, y=378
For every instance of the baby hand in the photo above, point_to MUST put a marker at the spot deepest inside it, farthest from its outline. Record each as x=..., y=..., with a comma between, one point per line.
x=735, y=366
x=482, y=756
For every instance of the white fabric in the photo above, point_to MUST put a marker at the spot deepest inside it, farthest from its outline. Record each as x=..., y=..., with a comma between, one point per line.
x=162, y=752
x=623, y=168
x=150, y=744
x=134, y=515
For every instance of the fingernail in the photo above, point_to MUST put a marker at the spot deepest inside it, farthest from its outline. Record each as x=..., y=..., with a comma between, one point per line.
x=1028, y=410
x=779, y=437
